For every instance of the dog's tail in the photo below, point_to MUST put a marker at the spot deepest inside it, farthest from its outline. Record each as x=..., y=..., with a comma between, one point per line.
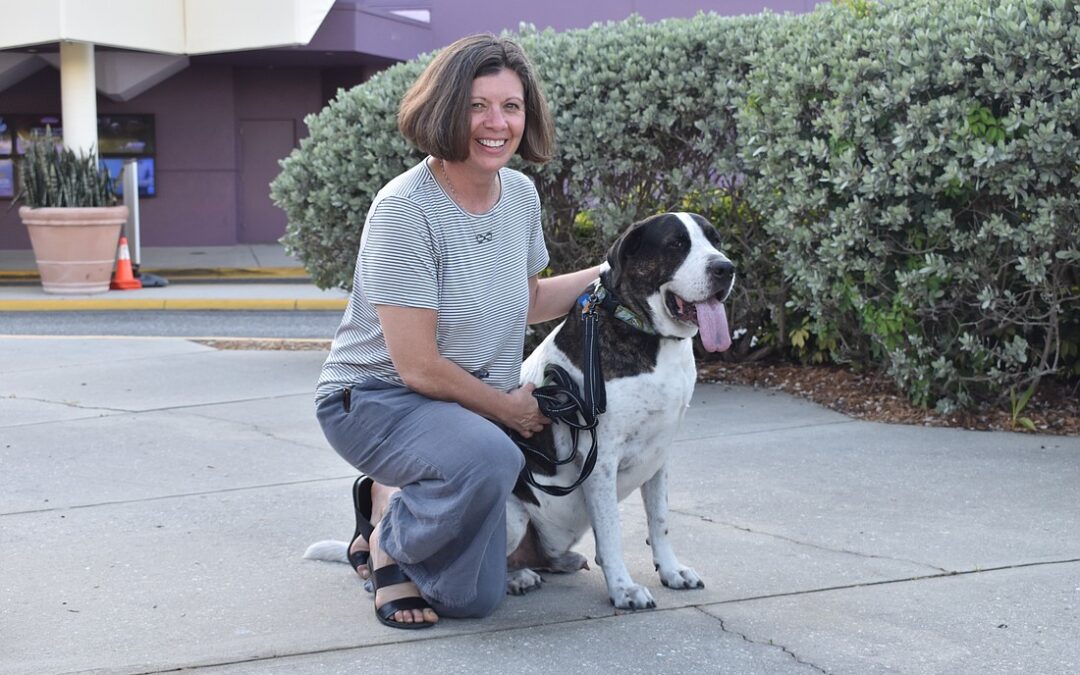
x=329, y=551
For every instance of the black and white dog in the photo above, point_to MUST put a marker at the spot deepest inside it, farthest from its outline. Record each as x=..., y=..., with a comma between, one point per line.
x=668, y=280
x=665, y=280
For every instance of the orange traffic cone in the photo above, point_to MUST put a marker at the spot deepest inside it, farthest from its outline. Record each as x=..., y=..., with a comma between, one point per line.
x=124, y=279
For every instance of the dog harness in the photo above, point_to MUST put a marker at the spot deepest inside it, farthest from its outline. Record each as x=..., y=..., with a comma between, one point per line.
x=560, y=399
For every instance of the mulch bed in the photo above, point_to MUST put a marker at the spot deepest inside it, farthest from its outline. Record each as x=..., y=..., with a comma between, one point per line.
x=1055, y=408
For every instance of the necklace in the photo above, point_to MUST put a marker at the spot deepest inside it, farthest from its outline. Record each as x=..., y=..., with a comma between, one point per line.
x=481, y=237
x=449, y=183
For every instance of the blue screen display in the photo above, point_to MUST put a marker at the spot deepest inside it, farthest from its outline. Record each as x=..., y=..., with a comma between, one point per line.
x=145, y=166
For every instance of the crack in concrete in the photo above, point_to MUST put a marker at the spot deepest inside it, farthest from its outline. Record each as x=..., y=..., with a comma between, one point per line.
x=770, y=643
x=807, y=544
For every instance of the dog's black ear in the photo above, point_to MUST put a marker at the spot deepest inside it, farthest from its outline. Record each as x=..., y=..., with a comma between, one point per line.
x=623, y=248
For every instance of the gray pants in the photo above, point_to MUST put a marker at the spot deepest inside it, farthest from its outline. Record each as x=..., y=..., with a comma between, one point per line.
x=447, y=526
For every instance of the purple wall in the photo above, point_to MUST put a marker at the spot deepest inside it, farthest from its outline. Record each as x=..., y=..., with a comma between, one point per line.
x=199, y=113
x=449, y=23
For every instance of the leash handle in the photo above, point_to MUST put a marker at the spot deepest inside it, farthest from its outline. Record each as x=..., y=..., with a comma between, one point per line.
x=560, y=401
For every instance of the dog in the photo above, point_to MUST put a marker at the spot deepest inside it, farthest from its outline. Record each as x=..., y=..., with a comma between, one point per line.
x=668, y=278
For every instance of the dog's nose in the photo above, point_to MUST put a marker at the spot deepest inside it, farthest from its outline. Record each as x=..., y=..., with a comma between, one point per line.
x=722, y=269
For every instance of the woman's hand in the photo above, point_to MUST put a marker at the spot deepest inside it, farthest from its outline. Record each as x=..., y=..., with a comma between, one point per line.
x=523, y=413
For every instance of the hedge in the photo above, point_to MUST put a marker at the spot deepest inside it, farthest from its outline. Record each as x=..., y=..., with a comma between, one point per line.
x=895, y=180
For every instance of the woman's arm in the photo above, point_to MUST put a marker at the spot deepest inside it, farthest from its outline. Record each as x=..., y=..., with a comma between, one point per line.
x=553, y=297
x=410, y=338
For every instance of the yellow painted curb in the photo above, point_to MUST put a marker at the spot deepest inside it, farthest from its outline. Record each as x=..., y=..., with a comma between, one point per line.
x=189, y=274
x=176, y=304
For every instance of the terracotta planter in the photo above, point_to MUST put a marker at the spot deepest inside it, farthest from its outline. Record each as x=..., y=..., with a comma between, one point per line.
x=75, y=248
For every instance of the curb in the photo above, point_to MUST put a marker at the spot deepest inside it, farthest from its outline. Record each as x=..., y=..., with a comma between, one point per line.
x=174, y=304
x=189, y=274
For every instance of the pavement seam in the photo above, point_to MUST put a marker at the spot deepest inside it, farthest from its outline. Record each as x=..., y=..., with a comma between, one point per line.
x=182, y=495
x=810, y=545
x=770, y=643
x=418, y=638
x=887, y=582
x=124, y=411
x=770, y=430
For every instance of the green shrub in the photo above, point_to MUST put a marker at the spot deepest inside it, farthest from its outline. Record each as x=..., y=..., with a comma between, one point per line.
x=896, y=181
x=920, y=161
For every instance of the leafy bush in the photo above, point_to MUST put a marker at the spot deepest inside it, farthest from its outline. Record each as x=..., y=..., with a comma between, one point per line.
x=896, y=181
x=920, y=160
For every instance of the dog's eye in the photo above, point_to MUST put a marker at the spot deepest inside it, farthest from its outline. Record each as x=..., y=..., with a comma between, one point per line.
x=678, y=243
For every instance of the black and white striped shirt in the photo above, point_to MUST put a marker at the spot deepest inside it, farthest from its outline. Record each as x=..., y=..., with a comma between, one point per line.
x=420, y=249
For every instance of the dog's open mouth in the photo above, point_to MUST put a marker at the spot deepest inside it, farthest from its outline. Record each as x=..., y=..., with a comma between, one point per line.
x=708, y=315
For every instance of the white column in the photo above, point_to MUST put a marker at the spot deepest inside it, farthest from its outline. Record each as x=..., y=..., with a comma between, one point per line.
x=78, y=96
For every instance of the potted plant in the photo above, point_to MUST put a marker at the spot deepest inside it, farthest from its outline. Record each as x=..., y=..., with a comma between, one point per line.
x=71, y=214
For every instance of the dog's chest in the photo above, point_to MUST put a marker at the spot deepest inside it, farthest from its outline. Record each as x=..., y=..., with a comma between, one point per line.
x=644, y=410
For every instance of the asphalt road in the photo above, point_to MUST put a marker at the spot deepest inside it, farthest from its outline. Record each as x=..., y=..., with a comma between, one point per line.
x=291, y=324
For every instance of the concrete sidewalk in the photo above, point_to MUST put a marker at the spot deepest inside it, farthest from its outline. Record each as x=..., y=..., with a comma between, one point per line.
x=156, y=496
x=246, y=277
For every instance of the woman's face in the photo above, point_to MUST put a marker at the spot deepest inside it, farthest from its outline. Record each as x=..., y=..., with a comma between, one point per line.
x=497, y=119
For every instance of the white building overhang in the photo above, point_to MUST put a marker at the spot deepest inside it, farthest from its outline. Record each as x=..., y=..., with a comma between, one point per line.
x=179, y=27
x=169, y=29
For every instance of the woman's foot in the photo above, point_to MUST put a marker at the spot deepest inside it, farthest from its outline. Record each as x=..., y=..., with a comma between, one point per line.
x=362, y=508
x=394, y=589
x=370, y=500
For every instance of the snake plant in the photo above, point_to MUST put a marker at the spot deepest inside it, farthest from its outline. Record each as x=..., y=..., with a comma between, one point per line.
x=52, y=178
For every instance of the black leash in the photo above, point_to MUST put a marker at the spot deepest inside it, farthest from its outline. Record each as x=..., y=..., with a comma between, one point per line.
x=560, y=400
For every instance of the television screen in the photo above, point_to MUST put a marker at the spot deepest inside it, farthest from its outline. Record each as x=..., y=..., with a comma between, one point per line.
x=5, y=137
x=7, y=179
x=126, y=134
x=26, y=127
x=145, y=168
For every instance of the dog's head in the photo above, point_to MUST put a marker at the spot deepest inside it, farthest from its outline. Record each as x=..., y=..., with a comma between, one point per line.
x=668, y=269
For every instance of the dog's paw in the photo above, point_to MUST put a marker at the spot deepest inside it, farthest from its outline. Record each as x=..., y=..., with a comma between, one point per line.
x=520, y=582
x=680, y=577
x=632, y=596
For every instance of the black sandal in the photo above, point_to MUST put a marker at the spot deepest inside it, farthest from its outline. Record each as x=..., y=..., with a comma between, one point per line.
x=361, y=494
x=391, y=575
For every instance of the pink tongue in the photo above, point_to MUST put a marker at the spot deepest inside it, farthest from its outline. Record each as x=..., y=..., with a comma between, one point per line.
x=712, y=321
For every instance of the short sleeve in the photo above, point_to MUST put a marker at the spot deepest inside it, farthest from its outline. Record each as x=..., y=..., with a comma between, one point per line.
x=399, y=256
x=538, y=253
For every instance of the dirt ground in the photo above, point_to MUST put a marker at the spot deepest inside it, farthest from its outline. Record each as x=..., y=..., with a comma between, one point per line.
x=1055, y=408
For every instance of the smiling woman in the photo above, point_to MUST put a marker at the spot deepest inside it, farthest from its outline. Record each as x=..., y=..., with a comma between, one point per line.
x=422, y=376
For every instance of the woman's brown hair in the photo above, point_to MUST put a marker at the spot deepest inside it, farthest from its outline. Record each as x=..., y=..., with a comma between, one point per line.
x=434, y=113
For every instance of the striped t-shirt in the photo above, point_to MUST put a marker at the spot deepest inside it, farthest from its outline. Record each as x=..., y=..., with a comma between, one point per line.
x=420, y=249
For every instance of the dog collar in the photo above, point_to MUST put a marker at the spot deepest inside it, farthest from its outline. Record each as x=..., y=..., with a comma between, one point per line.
x=598, y=296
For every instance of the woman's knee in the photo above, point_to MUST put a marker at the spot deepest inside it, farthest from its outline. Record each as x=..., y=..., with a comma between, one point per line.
x=497, y=466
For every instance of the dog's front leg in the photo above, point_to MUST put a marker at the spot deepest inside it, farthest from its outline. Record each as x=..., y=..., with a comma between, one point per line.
x=601, y=498
x=673, y=574
x=519, y=580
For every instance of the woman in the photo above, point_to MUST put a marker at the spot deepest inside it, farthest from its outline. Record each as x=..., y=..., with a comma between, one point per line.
x=424, y=369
